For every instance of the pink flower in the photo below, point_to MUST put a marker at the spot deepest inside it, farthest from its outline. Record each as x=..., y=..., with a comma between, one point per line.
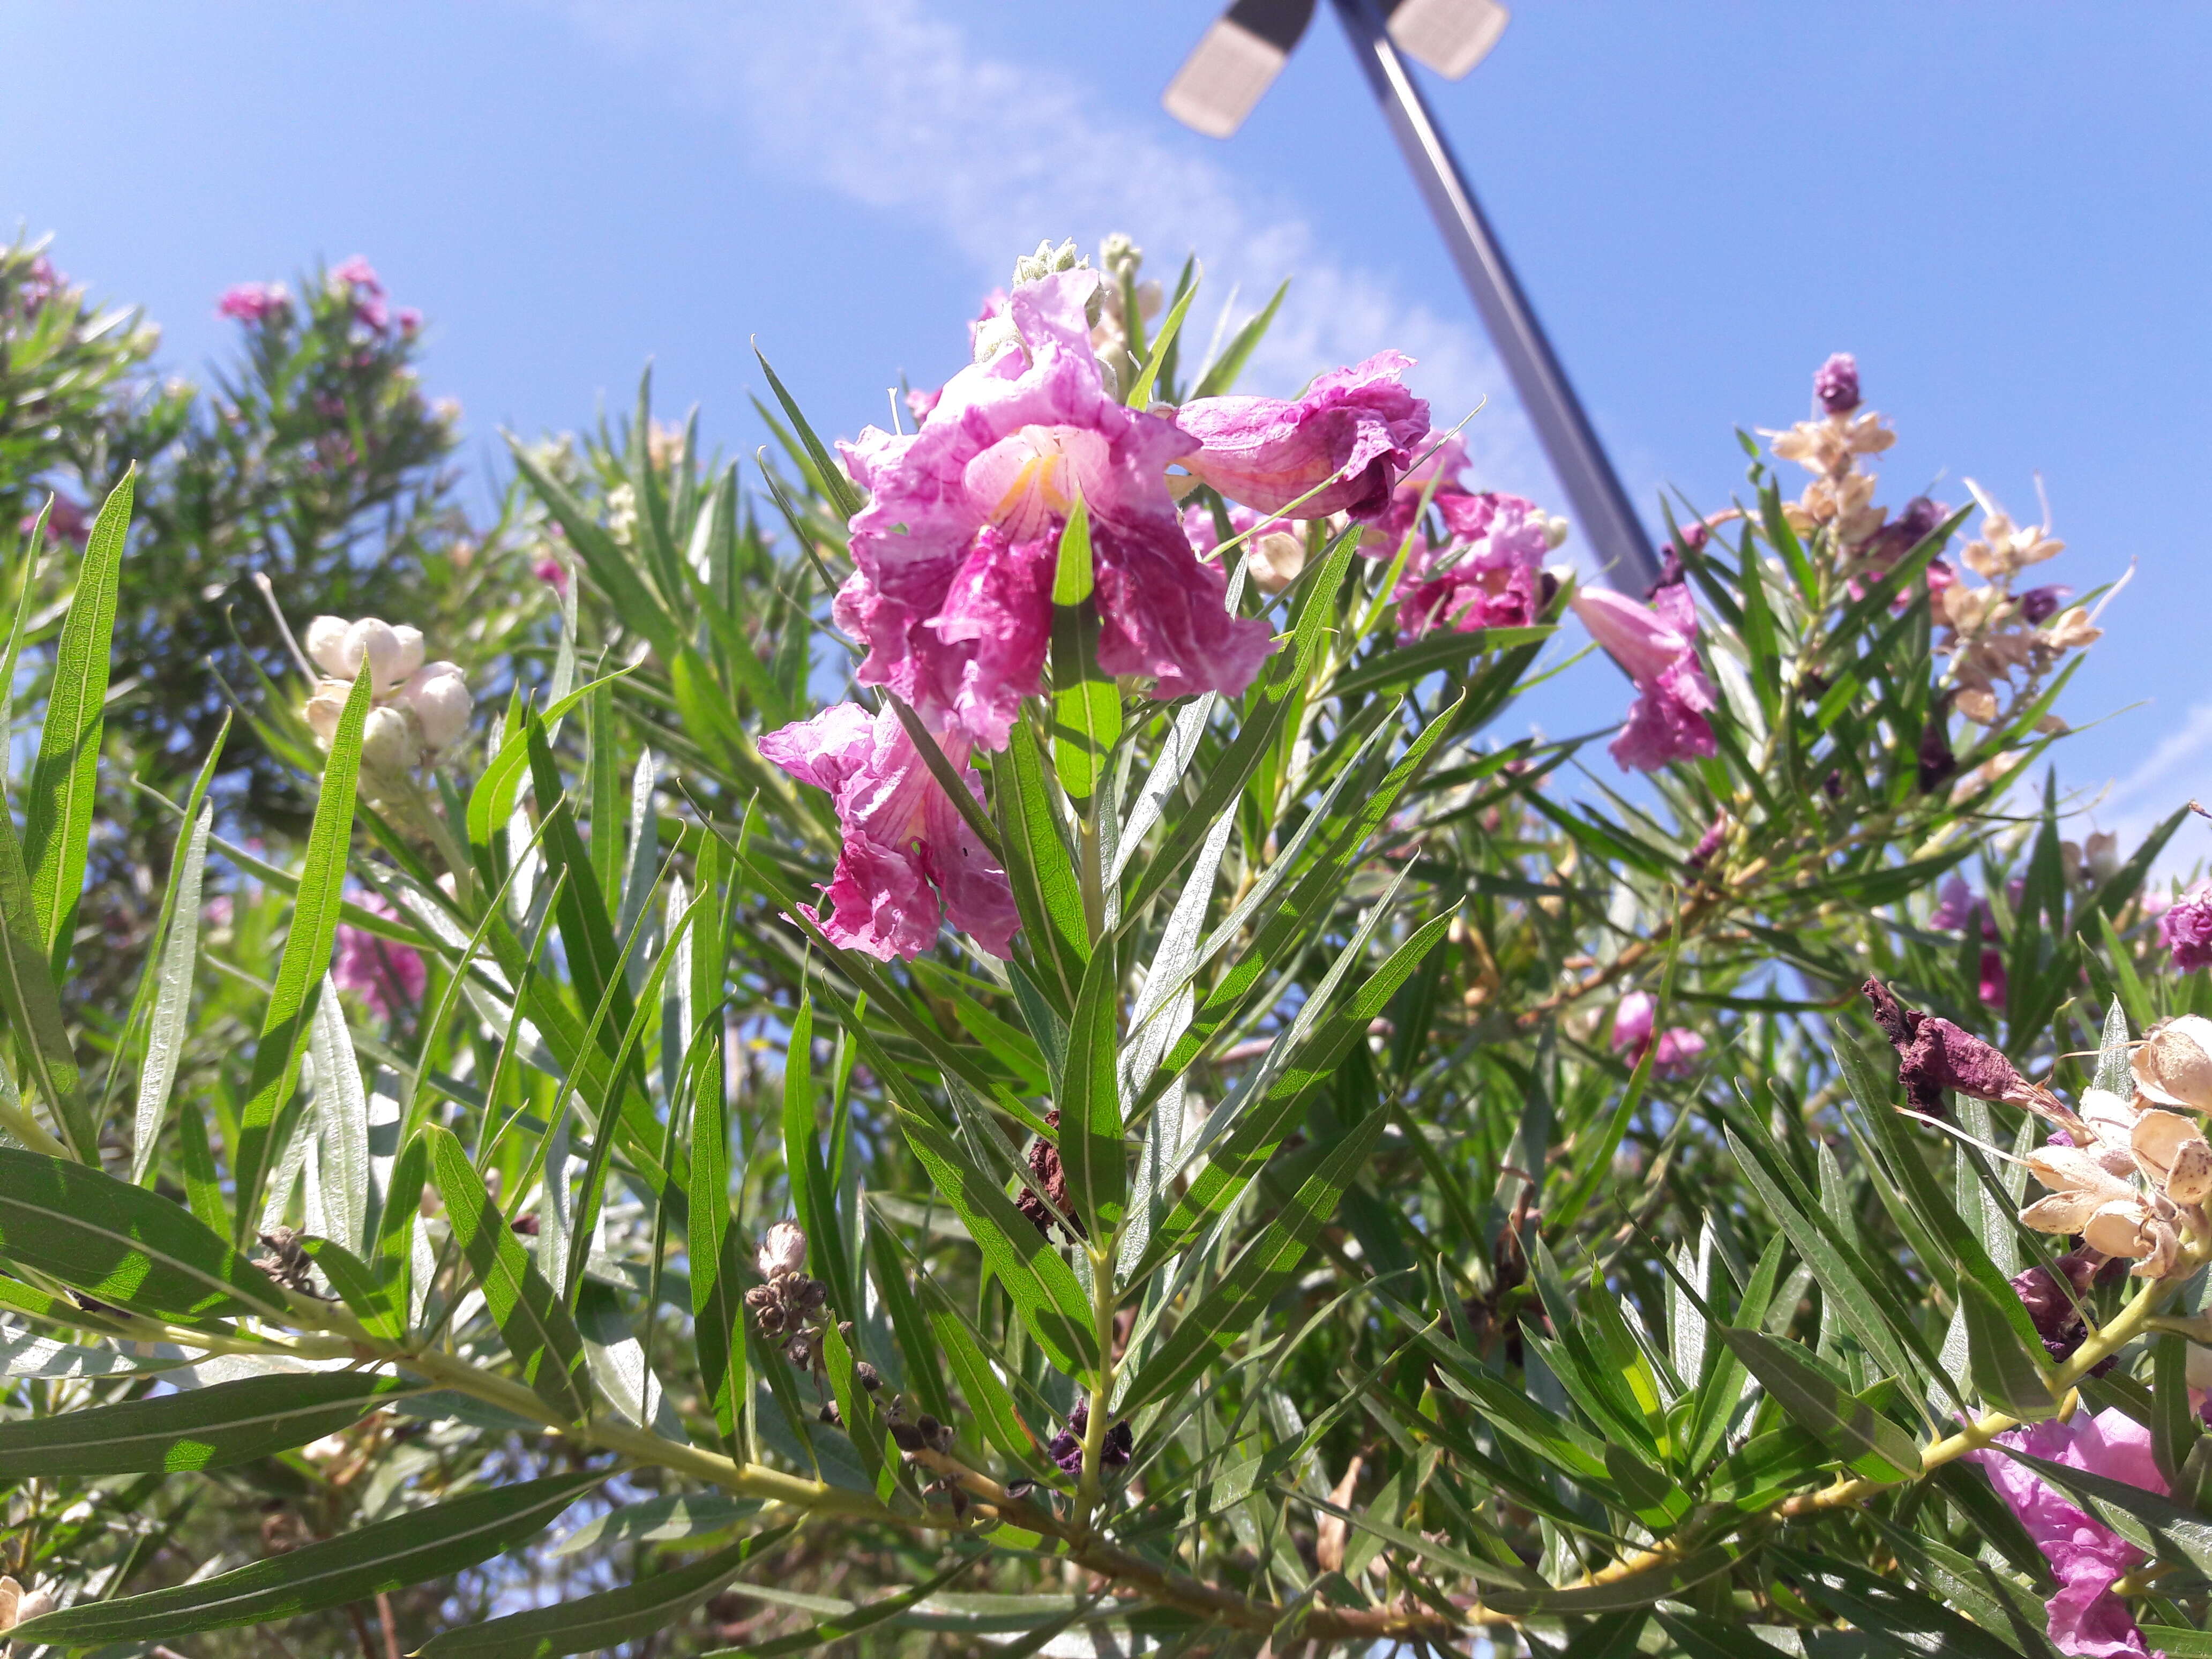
x=952, y=590
x=1958, y=909
x=552, y=572
x=918, y=404
x=1679, y=1049
x=1489, y=574
x=411, y=321
x=2186, y=928
x=357, y=272
x=253, y=302
x=2087, y=1556
x=65, y=521
x=387, y=976
x=370, y=313
x=1656, y=646
x=1353, y=431
x=906, y=846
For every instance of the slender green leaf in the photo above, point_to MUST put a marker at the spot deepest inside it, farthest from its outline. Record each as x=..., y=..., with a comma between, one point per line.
x=307, y=957
x=57, y=808
x=1090, y=1149
x=165, y=1037
x=209, y=1428
x=1850, y=1427
x=543, y=1338
x=121, y=1245
x=593, y=1624
x=838, y=1626
x=410, y=1549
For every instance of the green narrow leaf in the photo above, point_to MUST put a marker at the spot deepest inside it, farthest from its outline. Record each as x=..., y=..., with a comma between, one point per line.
x=1221, y=373
x=1086, y=704
x=165, y=1036
x=307, y=958
x=1883, y=1607
x=593, y=1624
x=1854, y=1430
x=838, y=1626
x=203, y=1182
x=1046, y=891
x=2004, y=1372
x=121, y=1245
x=209, y=1428
x=1141, y=392
x=1050, y=1302
x=543, y=1340
x=410, y=1549
x=396, y=1229
x=844, y=500
x=33, y=1006
x=717, y=1285
x=57, y=807
x=1090, y=1149
x=1231, y=1309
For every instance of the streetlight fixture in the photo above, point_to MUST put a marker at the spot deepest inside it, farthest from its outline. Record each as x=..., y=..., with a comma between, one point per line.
x=1232, y=66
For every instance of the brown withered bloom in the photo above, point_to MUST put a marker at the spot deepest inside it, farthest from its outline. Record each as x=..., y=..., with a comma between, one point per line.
x=1047, y=1176
x=1932, y=1055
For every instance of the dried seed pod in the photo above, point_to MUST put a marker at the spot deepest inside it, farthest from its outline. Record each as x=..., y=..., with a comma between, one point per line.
x=2173, y=1067
x=2173, y=1152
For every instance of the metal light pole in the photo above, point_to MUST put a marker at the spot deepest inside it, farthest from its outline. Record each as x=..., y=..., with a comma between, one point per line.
x=1225, y=76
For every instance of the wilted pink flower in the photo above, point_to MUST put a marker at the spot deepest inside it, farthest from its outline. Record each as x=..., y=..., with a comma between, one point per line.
x=1353, y=431
x=906, y=846
x=954, y=554
x=2087, y=1556
x=1835, y=384
x=1679, y=1047
x=1655, y=646
x=2186, y=928
x=385, y=976
x=253, y=302
x=358, y=273
x=2039, y=605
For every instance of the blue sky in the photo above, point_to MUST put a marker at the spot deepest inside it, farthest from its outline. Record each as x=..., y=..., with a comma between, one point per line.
x=1997, y=206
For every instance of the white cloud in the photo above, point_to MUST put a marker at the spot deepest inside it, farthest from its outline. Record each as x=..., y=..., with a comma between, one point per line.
x=2178, y=771
x=899, y=111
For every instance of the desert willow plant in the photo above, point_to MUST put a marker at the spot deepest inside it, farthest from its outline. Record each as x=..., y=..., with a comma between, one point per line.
x=1251, y=1164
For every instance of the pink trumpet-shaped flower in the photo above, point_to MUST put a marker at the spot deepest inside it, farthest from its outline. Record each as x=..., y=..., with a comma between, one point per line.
x=1350, y=436
x=2088, y=1557
x=1655, y=644
x=952, y=590
x=909, y=855
x=253, y=302
x=1490, y=573
x=1679, y=1047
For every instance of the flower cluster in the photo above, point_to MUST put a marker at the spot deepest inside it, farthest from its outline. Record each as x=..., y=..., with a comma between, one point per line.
x=1655, y=646
x=254, y=303
x=788, y=1304
x=386, y=975
x=954, y=554
x=1840, y=498
x=2000, y=640
x=418, y=708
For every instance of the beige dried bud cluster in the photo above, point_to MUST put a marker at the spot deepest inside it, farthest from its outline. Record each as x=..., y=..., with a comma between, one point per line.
x=417, y=709
x=19, y=1605
x=790, y=1305
x=1840, y=497
x=2001, y=642
x=2134, y=1181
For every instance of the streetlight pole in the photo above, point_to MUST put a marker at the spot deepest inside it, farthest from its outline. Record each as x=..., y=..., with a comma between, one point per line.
x=1601, y=507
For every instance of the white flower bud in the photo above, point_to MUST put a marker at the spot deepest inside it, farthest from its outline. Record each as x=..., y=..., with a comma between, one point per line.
x=326, y=644
x=324, y=707
x=440, y=700
x=1555, y=532
x=39, y=1602
x=376, y=642
x=782, y=1251
x=388, y=743
x=410, y=651
x=2173, y=1067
